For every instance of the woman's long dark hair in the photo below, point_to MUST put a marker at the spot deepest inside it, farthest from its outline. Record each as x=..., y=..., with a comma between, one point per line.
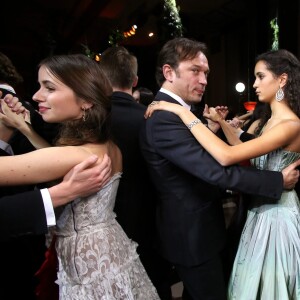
x=279, y=62
x=282, y=61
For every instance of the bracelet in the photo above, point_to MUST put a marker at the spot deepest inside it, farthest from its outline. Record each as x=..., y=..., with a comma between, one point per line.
x=193, y=123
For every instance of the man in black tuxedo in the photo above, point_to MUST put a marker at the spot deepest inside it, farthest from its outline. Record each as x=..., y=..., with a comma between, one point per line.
x=190, y=183
x=135, y=201
x=28, y=214
x=25, y=217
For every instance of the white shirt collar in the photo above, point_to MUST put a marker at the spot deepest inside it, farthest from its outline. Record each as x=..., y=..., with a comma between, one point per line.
x=176, y=97
x=8, y=88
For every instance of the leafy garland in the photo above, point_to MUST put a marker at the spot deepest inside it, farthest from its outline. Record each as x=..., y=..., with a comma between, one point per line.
x=275, y=27
x=172, y=18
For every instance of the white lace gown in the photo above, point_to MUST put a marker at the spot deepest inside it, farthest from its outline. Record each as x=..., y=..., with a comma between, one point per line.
x=96, y=258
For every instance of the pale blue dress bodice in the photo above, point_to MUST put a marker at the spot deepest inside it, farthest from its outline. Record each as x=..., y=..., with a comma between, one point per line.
x=267, y=264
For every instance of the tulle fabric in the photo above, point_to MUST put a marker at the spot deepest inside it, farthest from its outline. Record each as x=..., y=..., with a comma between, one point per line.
x=268, y=258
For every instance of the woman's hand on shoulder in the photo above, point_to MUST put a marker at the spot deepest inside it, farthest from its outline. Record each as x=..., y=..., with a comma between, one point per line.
x=163, y=105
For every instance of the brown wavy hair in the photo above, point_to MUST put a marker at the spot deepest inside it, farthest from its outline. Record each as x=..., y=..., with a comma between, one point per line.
x=174, y=52
x=84, y=76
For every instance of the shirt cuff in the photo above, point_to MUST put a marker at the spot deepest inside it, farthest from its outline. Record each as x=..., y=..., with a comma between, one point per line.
x=240, y=133
x=49, y=210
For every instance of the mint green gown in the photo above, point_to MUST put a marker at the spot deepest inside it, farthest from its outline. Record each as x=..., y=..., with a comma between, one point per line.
x=267, y=264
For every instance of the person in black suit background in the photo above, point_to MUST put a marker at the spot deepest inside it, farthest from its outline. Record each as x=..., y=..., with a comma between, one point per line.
x=190, y=183
x=135, y=202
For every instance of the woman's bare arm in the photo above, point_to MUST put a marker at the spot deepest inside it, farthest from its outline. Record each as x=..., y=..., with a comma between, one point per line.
x=41, y=165
x=279, y=136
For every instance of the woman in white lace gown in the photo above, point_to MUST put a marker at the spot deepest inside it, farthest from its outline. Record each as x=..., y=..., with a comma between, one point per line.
x=267, y=264
x=96, y=259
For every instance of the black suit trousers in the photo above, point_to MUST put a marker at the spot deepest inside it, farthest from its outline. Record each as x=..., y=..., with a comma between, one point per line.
x=203, y=282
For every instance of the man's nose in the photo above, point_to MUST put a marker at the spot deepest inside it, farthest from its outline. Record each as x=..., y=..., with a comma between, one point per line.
x=202, y=79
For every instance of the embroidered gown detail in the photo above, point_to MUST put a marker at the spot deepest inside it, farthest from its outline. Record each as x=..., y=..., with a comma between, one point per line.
x=268, y=258
x=96, y=258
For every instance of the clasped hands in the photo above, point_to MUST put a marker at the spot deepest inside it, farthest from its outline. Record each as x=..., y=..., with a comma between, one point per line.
x=12, y=112
x=214, y=115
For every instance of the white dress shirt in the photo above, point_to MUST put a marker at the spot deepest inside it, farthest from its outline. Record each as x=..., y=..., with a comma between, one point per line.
x=176, y=97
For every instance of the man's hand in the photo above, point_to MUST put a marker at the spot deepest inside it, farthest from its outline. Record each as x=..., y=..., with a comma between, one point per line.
x=291, y=175
x=84, y=179
x=235, y=122
x=213, y=114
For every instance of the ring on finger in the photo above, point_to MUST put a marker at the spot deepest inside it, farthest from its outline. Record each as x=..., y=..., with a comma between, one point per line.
x=153, y=103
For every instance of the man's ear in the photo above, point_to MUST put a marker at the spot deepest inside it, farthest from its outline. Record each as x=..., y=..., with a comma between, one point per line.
x=168, y=72
x=135, y=82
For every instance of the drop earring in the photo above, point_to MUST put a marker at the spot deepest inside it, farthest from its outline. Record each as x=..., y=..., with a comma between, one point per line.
x=279, y=94
x=83, y=114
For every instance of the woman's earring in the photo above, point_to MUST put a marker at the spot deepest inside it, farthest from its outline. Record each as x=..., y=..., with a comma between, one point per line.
x=83, y=114
x=279, y=95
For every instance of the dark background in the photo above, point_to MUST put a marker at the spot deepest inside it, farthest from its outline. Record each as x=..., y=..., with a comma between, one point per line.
x=234, y=30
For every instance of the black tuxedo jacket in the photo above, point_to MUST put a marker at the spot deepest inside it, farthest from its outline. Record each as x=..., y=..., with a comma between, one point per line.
x=190, y=185
x=22, y=209
x=22, y=241
x=22, y=212
x=135, y=201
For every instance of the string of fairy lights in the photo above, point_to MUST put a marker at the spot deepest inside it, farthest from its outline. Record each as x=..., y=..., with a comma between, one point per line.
x=171, y=18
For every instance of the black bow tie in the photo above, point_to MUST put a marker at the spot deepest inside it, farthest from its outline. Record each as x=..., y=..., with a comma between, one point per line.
x=194, y=109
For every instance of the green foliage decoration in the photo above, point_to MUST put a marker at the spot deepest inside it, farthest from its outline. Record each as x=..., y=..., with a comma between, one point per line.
x=275, y=27
x=172, y=18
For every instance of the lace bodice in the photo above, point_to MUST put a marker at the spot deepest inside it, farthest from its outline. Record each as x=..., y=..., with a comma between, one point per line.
x=91, y=211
